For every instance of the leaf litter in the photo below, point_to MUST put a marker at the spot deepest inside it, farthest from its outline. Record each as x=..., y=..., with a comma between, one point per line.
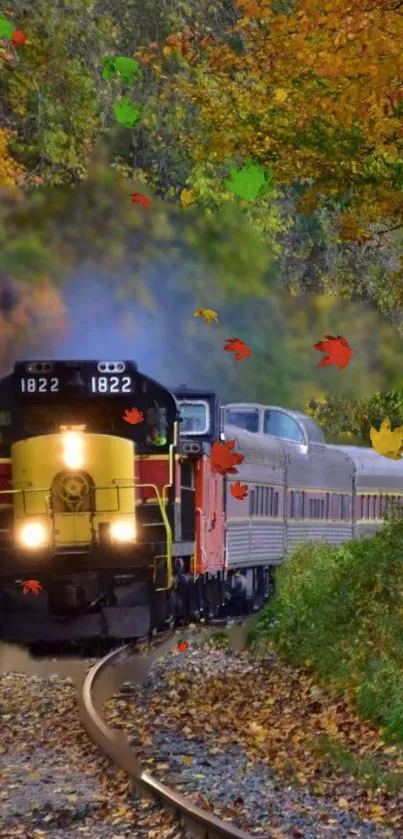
x=54, y=784
x=259, y=743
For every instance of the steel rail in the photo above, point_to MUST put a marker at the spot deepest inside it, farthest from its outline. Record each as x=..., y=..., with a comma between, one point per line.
x=101, y=683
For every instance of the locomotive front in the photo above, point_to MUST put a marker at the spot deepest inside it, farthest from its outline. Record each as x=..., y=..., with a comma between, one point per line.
x=74, y=493
x=77, y=435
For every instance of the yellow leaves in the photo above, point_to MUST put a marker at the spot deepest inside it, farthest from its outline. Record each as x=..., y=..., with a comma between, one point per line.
x=187, y=760
x=209, y=315
x=294, y=61
x=280, y=95
x=258, y=732
x=120, y=812
x=386, y=442
x=187, y=197
x=11, y=173
x=342, y=803
x=377, y=812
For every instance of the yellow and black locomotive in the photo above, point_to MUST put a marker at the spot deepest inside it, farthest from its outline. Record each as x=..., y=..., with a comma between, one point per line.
x=87, y=490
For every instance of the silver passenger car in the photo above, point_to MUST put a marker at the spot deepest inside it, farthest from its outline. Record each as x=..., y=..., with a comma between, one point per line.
x=299, y=488
x=378, y=485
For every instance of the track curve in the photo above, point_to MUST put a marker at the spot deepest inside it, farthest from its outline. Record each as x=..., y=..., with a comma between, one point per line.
x=100, y=684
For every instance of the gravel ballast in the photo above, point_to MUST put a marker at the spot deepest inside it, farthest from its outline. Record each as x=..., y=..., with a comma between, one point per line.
x=53, y=782
x=222, y=776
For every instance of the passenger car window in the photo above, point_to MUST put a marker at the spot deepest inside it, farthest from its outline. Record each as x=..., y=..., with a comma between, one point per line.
x=282, y=425
x=248, y=420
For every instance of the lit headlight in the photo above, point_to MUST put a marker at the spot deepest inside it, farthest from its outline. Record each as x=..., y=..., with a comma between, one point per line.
x=73, y=445
x=33, y=535
x=122, y=531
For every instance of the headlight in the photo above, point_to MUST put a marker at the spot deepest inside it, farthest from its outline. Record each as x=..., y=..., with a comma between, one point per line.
x=122, y=531
x=33, y=535
x=73, y=444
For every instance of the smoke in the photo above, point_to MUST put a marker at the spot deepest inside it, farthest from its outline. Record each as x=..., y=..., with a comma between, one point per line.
x=104, y=327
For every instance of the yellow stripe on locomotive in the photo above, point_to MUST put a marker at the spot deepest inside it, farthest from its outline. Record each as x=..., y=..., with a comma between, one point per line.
x=76, y=489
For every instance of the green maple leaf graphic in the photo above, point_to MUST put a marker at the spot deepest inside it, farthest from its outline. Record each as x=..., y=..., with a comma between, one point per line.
x=126, y=113
x=6, y=30
x=250, y=182
x=127, y=68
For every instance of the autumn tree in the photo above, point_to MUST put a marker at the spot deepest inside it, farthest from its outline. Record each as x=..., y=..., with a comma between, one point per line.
x=349, y=420
x=314, y=94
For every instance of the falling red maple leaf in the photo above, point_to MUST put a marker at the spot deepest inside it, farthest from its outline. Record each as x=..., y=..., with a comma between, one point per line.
x=237, y=346
x=238, y=490
x=133, y=416
x=138, y=198
x=182, y=646
x=31, y=585
x=222, y=458
x=18, y=38
x=338, y=351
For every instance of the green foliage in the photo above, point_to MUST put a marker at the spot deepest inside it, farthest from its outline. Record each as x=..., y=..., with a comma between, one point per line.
x=249, y=183
x=365, y=770
x=353, y=418
x=339, y=612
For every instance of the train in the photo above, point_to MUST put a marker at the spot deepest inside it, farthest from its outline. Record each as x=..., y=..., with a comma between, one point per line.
x=114, y=522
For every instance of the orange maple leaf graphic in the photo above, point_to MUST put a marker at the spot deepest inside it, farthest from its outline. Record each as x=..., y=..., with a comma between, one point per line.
x=238, y=490
x=223, y=459
x=31, y=585
x=237, y=346
x=133, y=416
x=138, y=198
x=182, y=646
x=18, y=38
x=338, y=351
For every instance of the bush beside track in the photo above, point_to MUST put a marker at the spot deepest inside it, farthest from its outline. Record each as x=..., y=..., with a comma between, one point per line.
x=339, y=613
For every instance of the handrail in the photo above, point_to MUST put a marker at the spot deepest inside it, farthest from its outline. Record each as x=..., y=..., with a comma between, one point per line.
x=168, y=529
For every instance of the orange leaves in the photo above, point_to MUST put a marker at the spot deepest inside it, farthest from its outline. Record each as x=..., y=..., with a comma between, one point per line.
x=352, y=230
x=338, y=351
x=223, y=459
x=133, y=416
x=238, y=347
x=238, y=490
x=278, y=717
x=137, y=198
x=18, y=38
x=333, y=64
x=31, y=585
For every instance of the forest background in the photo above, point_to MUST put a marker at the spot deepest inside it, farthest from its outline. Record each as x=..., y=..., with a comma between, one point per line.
x=309, y=89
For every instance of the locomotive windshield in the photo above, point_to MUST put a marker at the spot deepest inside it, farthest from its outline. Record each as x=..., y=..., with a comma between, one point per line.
x=195, y=416
x=100, y=416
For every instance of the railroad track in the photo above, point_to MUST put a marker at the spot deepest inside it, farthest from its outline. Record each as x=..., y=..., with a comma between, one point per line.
x=101, y=683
